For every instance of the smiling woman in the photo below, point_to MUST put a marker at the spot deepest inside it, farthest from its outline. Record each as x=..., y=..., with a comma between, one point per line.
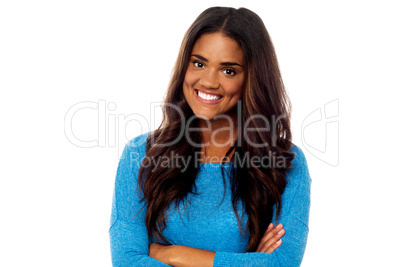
x=226, y=102
x=214, y=80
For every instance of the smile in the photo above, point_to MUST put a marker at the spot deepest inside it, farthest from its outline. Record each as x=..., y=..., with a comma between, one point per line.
x=208, y=98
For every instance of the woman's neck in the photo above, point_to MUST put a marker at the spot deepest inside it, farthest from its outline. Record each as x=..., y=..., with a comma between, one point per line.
x=218, y=136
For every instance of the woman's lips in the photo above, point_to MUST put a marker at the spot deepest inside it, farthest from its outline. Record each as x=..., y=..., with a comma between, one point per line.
x=208, y=93
x=207, y=101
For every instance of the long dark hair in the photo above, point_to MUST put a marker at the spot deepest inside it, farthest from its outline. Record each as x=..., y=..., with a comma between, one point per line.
x=264, y=96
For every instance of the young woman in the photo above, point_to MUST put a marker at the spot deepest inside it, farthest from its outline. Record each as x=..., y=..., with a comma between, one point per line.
x=219, y=183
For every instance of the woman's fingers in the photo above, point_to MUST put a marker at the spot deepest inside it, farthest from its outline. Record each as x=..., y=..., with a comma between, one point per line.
x=269, y=228
x=271, y=239
x=274, y=242
x=274, y=246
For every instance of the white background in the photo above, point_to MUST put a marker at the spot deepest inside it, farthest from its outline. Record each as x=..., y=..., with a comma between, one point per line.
x=56, y=196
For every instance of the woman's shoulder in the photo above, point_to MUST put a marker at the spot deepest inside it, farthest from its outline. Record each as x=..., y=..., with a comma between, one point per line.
x=299, y=172
x=135, y=150
x=139, y=140
x=138, y=143
x=300, y=158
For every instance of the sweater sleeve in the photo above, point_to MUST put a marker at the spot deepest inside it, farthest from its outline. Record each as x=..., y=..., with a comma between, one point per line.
x=294, y=216
x=128, y=233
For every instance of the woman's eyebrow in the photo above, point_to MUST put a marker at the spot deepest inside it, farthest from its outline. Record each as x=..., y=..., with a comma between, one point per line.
x=222, y=63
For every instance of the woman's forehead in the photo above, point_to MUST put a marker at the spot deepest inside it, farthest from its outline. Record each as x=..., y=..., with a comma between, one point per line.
x=218, y=47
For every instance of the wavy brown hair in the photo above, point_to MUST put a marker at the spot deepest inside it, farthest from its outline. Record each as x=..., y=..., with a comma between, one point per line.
x=264, y=96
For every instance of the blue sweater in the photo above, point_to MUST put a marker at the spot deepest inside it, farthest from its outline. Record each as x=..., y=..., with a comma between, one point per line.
x=207, y=223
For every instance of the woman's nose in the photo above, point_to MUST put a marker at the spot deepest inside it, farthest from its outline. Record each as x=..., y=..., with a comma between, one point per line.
x=209, y=79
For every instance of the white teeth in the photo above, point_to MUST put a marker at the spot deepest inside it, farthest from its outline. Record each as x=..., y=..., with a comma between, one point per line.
x=207, y=97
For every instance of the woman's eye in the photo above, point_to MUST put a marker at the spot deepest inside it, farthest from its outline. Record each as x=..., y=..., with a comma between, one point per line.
x=198, y=64
x=229, y=72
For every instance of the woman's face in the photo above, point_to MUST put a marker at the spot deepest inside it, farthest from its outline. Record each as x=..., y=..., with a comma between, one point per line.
x=215, y=76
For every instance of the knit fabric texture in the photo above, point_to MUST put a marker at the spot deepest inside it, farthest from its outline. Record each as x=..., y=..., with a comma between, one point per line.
x=207, y=220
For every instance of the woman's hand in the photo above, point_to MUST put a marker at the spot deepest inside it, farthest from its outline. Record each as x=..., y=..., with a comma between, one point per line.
x=271, y=239
x=159, y=252
x=177, y=255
